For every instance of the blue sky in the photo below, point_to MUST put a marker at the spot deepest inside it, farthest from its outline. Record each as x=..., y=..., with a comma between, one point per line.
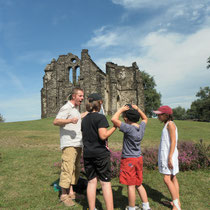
x=167, y=39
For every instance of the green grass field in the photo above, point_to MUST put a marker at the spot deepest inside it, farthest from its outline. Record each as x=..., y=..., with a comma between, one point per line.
x=30, y=149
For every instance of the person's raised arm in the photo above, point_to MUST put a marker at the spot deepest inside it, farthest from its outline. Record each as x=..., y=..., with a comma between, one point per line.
x=104, y=133
x=143, y=116
x=115, y=118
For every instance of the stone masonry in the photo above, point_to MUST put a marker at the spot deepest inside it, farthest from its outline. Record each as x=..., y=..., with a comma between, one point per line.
x=118, y=86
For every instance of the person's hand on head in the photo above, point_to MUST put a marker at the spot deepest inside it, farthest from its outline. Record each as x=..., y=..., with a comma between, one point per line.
x=134, y=106
x=125, y=108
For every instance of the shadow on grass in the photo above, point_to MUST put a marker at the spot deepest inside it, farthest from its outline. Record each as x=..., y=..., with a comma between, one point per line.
x=120, y=201
x=157, y=196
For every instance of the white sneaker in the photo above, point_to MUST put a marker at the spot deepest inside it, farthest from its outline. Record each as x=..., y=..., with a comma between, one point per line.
x=136, y=208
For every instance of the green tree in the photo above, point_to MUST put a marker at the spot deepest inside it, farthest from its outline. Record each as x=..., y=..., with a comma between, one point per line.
x=179, y=113
x=152, y=99
x=200, y=109
x=1, y=118
x=208, y=62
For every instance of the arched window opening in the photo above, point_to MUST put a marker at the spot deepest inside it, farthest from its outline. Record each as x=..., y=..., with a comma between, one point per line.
x=77, y=73
x=71, y=75
x=118, y=102
x=118, y=98
x=73, y=60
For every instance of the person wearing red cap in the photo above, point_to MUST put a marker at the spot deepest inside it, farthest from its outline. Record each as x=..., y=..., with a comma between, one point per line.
x=168, y=154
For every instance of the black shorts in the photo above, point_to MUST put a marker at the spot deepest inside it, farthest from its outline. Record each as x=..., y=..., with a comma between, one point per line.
x=98, y=167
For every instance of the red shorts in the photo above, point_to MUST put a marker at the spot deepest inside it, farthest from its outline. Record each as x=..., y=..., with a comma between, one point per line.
x=131, y=171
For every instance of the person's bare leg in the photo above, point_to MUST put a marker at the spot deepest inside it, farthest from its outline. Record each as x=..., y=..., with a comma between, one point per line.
x=131, y=195
x=142, y=193
x=91, y=193
x=107, y=193
x=71, y=191
x=171, y=188
x=176, y=184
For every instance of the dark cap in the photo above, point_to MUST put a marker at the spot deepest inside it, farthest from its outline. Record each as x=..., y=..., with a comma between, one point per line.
x=132, y=114
x=94, y=97
x=129, y=105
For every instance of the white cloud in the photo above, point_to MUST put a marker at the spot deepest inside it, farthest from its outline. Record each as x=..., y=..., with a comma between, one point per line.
x=104, y=37
x=103, y=41
x=169, y=14
x=136, y=4
x=177, y=62
x=176, y=55
x=133, y=4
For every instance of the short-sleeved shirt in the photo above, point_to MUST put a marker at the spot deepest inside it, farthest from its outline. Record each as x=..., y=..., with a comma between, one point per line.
x=132, y=139
x=93, y=145
x=70, y=134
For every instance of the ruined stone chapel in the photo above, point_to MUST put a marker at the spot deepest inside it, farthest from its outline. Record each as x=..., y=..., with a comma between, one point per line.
x=118, y=86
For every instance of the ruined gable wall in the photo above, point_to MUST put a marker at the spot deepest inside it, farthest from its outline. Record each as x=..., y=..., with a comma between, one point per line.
x=118, y=86
x=124, y=86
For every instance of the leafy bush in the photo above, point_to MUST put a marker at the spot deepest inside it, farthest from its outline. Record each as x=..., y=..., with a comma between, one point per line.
x=188, y=156
x=150, y=156
x=1, y=118
x=191, y=157
x=115, y=162
x=203, y=154
x=179, y=113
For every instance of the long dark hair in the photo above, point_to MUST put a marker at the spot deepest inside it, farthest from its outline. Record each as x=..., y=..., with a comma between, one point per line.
x=169, y=118
x=93, y=105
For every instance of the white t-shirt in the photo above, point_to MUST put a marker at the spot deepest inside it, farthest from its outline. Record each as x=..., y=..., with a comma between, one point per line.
x=70, y=134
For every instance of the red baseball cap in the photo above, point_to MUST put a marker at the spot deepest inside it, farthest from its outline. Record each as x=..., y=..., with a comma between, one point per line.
x=164, y=110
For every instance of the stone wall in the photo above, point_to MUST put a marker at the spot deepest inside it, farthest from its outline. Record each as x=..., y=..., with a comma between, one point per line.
x=118, y=86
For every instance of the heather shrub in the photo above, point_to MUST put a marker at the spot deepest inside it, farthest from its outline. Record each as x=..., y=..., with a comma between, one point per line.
x=188, y=156
x=203, y=154
x=191, y=157
x=115, y=162
x=150, y=156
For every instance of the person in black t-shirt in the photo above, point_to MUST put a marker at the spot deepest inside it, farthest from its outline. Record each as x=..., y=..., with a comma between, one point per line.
x=96, y=153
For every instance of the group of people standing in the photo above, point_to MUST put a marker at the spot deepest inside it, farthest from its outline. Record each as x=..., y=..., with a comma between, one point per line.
x=88, y=133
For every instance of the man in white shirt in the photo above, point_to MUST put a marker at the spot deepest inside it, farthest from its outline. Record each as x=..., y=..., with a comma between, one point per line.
x=69, y=120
